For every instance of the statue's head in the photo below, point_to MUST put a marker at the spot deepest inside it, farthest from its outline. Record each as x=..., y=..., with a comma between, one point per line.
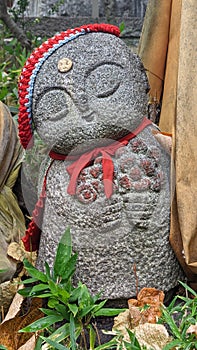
x=80, y=87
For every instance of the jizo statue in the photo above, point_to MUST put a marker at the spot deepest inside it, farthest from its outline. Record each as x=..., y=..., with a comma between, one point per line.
x=85, y=93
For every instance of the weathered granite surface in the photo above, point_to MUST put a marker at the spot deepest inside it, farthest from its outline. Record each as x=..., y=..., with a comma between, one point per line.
x=100, y=99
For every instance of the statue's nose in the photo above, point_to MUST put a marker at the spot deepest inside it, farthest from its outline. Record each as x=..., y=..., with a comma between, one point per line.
x=81, y=102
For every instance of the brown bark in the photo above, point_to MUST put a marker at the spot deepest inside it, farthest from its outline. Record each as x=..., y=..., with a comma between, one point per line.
x=13, y=27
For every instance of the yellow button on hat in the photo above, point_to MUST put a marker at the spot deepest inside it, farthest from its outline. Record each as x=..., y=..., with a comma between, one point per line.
x=64, y=65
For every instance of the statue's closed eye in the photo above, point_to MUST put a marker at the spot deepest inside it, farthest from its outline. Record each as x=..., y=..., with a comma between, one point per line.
x=109, y=91
x=104, y=80
x=53, y=104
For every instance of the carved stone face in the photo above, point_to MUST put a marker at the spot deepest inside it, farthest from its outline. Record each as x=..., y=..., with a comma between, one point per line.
x=90, y=90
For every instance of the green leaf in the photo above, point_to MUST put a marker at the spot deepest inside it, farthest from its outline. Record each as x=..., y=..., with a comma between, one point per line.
x=99, y=306
x=194, y=309
x=133, y=339
x=172, y=305
x=63, y=295
x=63, y=254
x=85, y=298
x=169, y=320
x=49, y=312
x=63, y=310
x=25, y=292
x=45, y=295
x=109, y=312
x=86, y=310
x=42, y=323
x=67, y=285
x=69, y=268
x=2, y=347
x=61, y=333
x=47, y=269
x=112, y=344
x=38, y=344
x=53, y=287
x=73, y=308
x=33, y=272
x=75, y=293
x=96, y=297
x=54, y=344
x=172, y=344
x=29, y=281
x=38, y=288
x=92, y=336
x=122, y=26
x=72, y=333
x=52, y=302
x=188, y=288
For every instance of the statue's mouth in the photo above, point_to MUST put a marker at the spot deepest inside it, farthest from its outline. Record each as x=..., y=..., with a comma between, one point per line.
x=88, y=117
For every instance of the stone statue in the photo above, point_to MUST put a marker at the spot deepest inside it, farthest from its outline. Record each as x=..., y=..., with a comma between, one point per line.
x=108, y=179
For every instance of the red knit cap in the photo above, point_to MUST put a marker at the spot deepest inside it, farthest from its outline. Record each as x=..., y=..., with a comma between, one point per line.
x=34, y=64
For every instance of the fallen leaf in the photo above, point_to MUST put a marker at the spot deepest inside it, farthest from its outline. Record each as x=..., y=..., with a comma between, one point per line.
x=146, y=308
x=17, y=252
x=122, y=321
x=9, y=336
x=8, y=290
x=15, y=305
x=153, y=336
x=30, y=344
x=192, y=329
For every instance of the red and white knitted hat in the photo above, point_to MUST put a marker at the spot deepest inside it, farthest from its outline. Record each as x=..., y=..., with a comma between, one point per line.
x=34, y=64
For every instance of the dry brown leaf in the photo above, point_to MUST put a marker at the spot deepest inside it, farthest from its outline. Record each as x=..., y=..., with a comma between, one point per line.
x=164, y=140
x=153, y=336
x=122, y=321
x=147, y=306
x=150, y=296
x=30, y=344
x=9, y=336
x=8, y=290
x=17, y=252
x=15, y=305
x=192, y=329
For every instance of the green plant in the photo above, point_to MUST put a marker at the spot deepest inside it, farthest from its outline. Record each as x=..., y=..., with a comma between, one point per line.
x=72, y=307
x=12, y=58
x=178, y=316
x=119, y=343
x=122, y=27
x=2, y=347
x=134, y=343
x=54, y=8
x=18, y=12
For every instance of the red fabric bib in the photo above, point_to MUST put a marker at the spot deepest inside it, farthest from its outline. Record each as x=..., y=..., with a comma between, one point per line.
x=32, y=237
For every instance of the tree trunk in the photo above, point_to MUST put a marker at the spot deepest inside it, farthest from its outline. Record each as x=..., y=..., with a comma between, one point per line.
x=109, y=10
x=95, y=9
x=13, y=27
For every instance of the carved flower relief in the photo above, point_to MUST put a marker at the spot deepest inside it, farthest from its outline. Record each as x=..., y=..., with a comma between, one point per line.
x=90, y=183
x=138, y=146
x=139, y=167
x=86, y=193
